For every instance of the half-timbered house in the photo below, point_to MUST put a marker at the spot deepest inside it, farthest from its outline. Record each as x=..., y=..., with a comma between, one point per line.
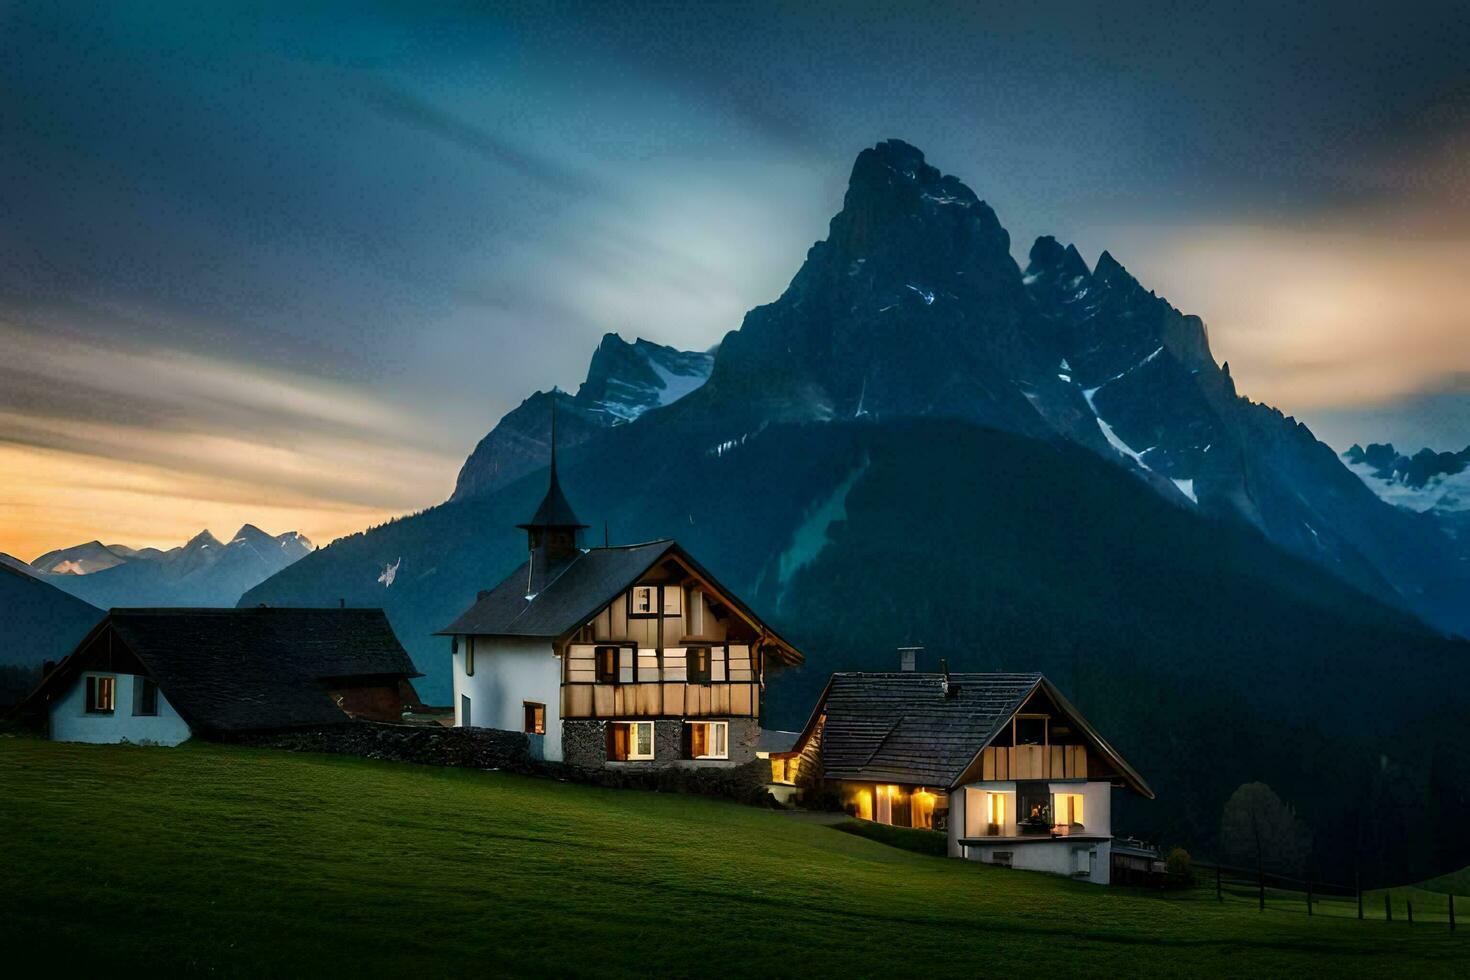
x=631, y=656
x=1002, y=763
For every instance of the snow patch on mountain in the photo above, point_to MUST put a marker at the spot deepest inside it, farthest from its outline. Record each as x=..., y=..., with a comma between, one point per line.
x=389, y=573
x=810, y=537
x=1441, y=494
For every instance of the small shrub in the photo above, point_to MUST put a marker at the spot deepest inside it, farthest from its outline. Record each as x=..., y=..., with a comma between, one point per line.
x=1178, y=865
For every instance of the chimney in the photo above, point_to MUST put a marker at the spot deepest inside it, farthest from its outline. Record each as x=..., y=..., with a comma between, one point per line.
x=908, y=658
x=949, y=689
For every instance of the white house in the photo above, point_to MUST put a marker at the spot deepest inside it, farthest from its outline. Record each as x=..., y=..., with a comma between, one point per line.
x=624, y=656
x=160, y=676
x=1001, y=762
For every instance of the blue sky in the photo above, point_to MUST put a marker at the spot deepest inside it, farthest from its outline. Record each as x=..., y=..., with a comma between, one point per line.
x=288, y=263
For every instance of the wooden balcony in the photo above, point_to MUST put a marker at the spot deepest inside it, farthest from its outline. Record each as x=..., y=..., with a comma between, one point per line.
x=661, y=699
x=1005, y=763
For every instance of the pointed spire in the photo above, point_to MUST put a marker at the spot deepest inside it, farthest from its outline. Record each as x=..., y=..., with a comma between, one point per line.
x=555, y=513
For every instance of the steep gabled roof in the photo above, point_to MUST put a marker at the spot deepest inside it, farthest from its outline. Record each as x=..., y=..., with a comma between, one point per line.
x=231, y=670
x=902, y=728
x=586, y=583
x=582, y=588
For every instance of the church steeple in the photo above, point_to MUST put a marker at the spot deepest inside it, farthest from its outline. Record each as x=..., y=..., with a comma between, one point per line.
x=551, y=532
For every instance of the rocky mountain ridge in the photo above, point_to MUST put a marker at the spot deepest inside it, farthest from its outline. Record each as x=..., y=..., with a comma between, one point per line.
x=203, y=571
x=623, y=382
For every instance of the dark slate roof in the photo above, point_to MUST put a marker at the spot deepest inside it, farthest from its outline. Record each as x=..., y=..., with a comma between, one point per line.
x=901, y=728
x=260, y=669
x=584, y=585
x=581, y=588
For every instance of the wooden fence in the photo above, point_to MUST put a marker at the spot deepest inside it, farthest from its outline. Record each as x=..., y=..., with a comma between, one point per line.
x=1413, y=906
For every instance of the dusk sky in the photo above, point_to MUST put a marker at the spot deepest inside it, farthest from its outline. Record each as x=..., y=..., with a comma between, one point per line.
x=288, y=268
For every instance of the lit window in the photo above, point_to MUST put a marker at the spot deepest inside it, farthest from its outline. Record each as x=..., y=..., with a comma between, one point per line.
x=996, y=807
x=629, y=740
x=921, y=809
x=469, y=656
x=607, y=665
x=1068, y=808
x=535, y=718
x=697, y=660
x=708, y=739
x=145, y=697
x=101, y=692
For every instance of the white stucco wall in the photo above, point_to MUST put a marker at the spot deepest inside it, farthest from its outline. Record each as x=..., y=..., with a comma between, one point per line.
x=509, y=672
x=71, y=723
x=1061, y=855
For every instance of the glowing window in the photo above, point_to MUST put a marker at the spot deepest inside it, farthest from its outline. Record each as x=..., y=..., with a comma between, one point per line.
x=708, y=739
x=535, y=718
x=101, y=693
x=629, y=740
x=1068, y=809
x=996, y=811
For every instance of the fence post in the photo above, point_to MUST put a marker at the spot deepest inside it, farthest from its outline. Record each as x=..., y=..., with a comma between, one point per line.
x=1358, y=889
x=1219, y=895
x=1452, y=911
x=1309, y=894
x=1387, y=907
x=1411, y=911
x=1261, y=889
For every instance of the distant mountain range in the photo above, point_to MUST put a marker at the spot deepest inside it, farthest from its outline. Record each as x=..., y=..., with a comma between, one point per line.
x=1038, y=469
x=1427, y=482
x=202, y=572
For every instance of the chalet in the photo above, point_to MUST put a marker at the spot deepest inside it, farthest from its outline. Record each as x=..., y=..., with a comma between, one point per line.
x=1001, y=762
x=161, y=675
x=631, y=656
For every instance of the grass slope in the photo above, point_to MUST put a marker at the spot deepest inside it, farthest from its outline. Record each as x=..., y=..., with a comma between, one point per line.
x=205, y=859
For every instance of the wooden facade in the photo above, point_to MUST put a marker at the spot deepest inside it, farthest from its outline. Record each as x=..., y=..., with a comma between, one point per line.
x=660, y=700
x=670, y=646
x=1011, y=762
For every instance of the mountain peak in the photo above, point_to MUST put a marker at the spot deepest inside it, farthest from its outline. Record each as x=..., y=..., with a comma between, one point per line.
x=1049, y=256
x=202, y=540
x=890, y=187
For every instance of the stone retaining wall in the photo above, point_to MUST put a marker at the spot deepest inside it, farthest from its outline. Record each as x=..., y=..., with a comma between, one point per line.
x=489, y=748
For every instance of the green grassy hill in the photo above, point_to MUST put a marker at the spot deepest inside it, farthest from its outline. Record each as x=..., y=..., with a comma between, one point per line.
x=226, y=861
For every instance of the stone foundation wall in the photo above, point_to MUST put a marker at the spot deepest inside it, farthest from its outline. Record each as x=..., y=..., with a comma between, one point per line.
x=433, y=745
x=584, y=744
x=489, y=748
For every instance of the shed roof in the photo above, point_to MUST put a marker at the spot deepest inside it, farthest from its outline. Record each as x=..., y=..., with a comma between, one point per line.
x=233, y=670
